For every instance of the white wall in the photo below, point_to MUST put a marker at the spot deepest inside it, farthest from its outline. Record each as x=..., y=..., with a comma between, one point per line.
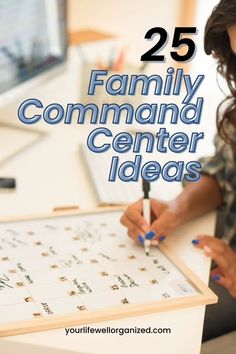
x=129, y=19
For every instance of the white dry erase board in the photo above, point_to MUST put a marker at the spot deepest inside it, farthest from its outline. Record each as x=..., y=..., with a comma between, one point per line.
x=73, y=269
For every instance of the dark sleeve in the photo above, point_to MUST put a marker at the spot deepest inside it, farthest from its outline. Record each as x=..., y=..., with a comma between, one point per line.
x=221, y=166
x=216, y=165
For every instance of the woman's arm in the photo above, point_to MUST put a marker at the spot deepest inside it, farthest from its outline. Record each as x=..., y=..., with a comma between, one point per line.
x=198, y=198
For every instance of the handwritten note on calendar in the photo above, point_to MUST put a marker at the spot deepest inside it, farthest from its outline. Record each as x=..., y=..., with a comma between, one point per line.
x=69, y=264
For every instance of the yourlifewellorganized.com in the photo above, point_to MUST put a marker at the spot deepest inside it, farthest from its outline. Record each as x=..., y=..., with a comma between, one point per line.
x=117, y=330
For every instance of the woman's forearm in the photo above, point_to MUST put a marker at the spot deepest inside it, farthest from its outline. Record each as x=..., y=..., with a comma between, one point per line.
x=197, y=198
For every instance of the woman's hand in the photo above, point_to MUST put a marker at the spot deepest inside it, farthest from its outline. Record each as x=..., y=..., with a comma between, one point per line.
x=225, y=258
x=196, y=199
x=164, y=219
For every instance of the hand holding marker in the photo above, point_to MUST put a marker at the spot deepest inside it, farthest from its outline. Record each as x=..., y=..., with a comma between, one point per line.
x=146, y=212
x=147, y=216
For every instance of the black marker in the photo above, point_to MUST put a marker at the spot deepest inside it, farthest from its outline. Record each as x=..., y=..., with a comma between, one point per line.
x=146, y=212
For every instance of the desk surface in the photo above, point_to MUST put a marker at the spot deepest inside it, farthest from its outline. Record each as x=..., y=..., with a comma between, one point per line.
x=51, y=173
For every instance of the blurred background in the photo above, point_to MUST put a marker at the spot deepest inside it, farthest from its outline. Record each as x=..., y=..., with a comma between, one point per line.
x=47, y=51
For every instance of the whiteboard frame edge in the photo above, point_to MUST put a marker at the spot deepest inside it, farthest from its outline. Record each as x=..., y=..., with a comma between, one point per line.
x=205, y=297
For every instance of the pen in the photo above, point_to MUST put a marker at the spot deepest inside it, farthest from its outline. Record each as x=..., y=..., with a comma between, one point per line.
x=146, y=212
x=111, y=59
x=118, y=65
x=143, y=67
